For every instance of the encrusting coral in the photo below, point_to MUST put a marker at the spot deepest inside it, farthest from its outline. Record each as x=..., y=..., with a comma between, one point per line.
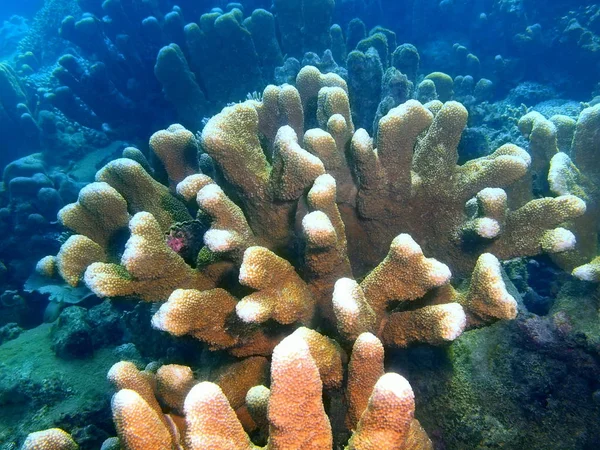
x=298, y=216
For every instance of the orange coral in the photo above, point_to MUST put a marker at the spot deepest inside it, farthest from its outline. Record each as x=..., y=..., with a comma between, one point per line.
x=139, y=426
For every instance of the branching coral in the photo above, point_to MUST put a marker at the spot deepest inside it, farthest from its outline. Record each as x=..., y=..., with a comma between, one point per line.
x=456, y=212
x=296, y=214
x=149, y=268
x=573, y=171
x=384, y=410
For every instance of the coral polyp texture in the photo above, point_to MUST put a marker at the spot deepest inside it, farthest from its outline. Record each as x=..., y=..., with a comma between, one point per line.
x=260, y=212
x=51, y=439
x=384, y=410
x=565, y=153
x=306, y=229
x=311, y=209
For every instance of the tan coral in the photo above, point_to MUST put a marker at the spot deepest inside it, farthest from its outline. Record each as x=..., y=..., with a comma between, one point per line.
x=565, y=129
x=565, y=178
x=322, y=196
x=203, y=314
x=558, y=240
x=100, y=211
x=142, y=192
x=434, y=324
x=542, y=135
x=229, y=231
x=318, y=231
x=487, y=299
x=527, y=226
x=173, y=382
x=189, y=187
x=588, y=272
x=138, y=425
x=75, y=255
x=413, y=170
x=364, y=369
x=397, y=131
x=211, y=422
x=233, y=134
x=491, y=206
x=293, y=167
x=332, y=101
x=435, y=156
x=236, y=379
x=136, y=155
x=353, y=313
x=326, y=354
x=46, y=266
x=309, y=82
x=108, y=280
x=427, y=185
x=326, y=261
x=125, y=375
x=584, y=149
x=295, y=400
x=508, y=163
x=291, y=106
x=257, y=402
x=326, y=254
x=280, y=106
x=267, y=172
x=404, y=274
x=149, y=268
x=570, y=174
x=322, y=144
x=177, y=149
x=387, y=420
x=51, y=439
x=281, y=294
x=341, y=131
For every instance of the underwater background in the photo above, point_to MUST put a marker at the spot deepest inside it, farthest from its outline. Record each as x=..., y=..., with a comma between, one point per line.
x=348, y=224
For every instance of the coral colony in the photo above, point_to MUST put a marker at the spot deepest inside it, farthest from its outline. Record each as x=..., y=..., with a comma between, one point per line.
x=282, y=250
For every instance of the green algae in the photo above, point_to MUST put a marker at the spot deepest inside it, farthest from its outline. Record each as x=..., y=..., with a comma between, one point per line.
x=39, y=390
x=489, y=389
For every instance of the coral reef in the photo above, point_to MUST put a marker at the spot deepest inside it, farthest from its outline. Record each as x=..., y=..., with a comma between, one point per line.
x=34, y=192
x=366, y=202
x=405, y=299
x=463, y=214
x=572, y=171
x=385, y=416
x=268, y=192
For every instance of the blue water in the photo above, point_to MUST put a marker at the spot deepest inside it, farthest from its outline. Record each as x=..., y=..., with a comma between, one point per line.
x=25, y=8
